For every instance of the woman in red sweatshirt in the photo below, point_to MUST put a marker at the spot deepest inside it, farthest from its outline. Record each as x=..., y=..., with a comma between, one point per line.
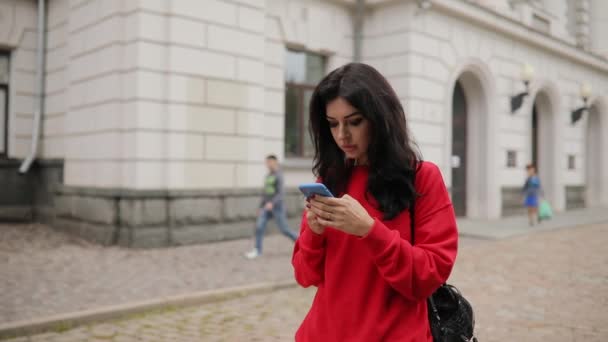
x=372, y=284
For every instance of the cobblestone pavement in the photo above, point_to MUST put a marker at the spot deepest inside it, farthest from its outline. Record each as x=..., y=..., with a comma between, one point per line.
x=45, y=272
x=546, y=286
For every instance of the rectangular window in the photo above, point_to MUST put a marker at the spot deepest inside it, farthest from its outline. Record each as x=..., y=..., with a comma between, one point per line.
x=303, y=70
x=511, y=159
x=571, y=162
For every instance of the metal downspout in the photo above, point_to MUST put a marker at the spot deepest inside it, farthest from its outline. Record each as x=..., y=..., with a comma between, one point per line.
x=25, y=165
x=358, y=30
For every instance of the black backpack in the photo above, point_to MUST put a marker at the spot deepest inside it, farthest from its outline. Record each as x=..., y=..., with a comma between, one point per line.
x=450, y=315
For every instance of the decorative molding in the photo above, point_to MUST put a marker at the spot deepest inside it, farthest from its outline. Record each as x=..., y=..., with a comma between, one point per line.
x=487, y=18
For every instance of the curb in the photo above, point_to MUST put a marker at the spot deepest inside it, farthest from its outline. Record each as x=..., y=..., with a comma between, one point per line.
x=63, y=322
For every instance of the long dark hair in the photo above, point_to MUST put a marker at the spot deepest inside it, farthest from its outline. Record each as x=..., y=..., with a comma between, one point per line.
x=392, y=156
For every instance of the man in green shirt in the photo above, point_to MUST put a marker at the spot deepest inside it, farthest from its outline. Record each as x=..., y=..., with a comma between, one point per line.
x=271, y=205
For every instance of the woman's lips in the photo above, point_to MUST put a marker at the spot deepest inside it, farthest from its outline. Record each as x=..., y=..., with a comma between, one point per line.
x=349, y=148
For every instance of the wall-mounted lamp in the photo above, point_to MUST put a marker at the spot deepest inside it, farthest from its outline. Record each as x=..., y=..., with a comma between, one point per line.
x=585, y=93
x=527, y=73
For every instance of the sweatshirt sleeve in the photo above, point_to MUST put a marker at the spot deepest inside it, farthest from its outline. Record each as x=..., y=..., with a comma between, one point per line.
x=417, y=271
x=308, y=258
x=278, y=189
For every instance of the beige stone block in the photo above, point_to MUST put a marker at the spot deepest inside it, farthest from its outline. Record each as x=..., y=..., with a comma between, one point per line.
x=250, y=71
x=274, y=53
x=55, y=59
x=55, y=81
x=233, y=148
x=55, y=103
x=145, y=174
x=425, y=89
x=152, y=26
x=151, y=56
x=272, y=29
x=235, y=41
x=94, y=146
x=274, y=77
x=209, y=10
x=24, y=59
x=200, y=175
x=24, y=82
x=274, y=126
x=274, y=146
x=151, y=85
x=250, y=175
x=235, y=94
x=390, y=44
x=53, y=125
x=250, y=123
x=22, y=125
x=187, y=89
x=251, y=19
x=148, y=145
x=56, y=37
x=188, y=32
x=428, y=133
x=204, y=119
x=104, y=174
x=274, y=101
x=201, y=62
x=23, y=103
x=185, y=146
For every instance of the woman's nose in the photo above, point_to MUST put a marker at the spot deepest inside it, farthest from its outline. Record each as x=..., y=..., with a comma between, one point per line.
x=342, y=132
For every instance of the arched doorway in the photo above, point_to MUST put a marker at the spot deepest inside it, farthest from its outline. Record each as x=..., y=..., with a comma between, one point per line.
x=471, y=155
x=459, y=150
x=594, y=159
x=542, y=143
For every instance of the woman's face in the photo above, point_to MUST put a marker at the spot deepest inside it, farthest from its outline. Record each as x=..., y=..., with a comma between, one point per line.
x=531, y=171
x=350, y=129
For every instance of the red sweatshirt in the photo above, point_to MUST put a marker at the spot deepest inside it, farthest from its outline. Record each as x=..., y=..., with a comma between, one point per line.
x=375, y=288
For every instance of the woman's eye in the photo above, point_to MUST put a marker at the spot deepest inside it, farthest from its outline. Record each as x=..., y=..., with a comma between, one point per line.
x=356, y=122
x=333, y=124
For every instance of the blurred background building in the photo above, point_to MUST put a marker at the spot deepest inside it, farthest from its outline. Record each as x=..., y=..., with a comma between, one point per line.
x=146, y=122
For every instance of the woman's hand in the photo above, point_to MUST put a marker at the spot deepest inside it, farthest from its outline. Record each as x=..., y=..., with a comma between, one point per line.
x=313, y=223
x=345, y=214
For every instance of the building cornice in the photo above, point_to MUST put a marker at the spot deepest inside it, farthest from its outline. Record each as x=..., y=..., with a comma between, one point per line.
x=502, y=24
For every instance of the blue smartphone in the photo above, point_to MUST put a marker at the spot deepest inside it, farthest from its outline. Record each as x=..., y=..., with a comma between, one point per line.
x=309, y=189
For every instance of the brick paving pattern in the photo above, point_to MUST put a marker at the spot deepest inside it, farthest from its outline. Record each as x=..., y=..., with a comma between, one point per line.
x=546, y=286
x=45, y=272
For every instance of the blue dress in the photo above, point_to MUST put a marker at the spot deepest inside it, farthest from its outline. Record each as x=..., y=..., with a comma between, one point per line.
x=531, y=191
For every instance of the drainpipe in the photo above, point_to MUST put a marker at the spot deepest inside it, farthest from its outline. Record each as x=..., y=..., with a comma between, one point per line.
x=358, y=29
x=25, y=165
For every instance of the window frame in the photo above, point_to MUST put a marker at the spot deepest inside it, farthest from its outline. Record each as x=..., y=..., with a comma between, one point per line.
x=301, y=115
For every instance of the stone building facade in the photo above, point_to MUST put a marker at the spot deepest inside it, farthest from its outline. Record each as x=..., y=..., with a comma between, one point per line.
x=156, y=115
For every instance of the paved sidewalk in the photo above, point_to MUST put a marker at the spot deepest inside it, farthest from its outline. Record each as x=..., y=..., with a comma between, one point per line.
x=45, y=272
x=544, y=286
x=518, y=225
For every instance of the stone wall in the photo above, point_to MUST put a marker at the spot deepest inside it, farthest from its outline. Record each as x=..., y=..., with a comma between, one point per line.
x=512, y=201
x=16, y=198
x=575, y=197
x=148, y=218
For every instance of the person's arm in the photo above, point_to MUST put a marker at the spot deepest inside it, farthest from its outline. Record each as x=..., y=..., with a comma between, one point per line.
x=308, y=258
x=417, y=271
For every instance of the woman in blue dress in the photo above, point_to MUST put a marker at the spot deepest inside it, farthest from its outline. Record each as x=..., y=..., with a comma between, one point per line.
x=531, y=192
